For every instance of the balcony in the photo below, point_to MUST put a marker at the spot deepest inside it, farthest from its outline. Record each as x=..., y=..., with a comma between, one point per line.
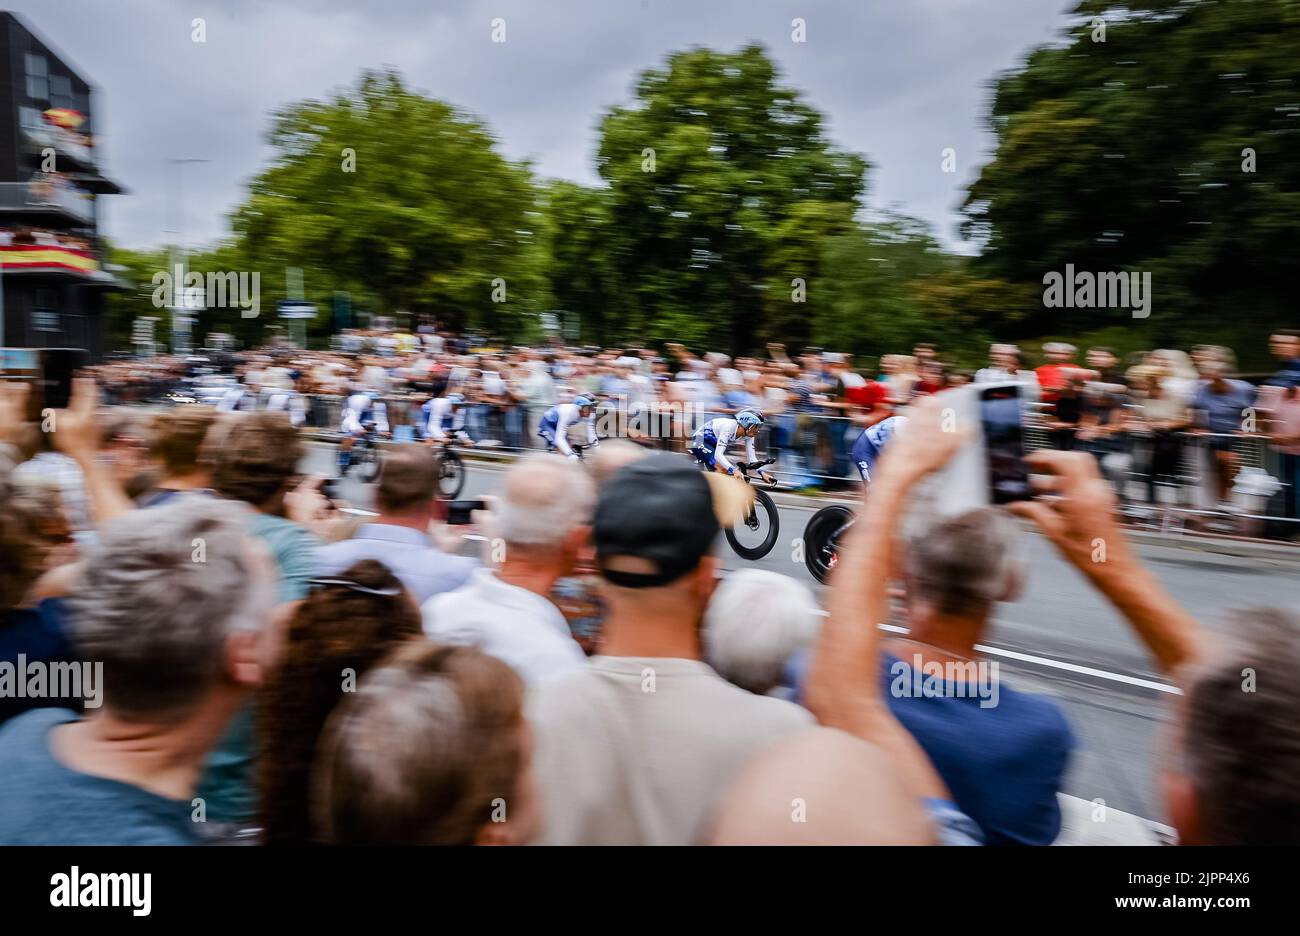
x=52, y=259
x=64, y=142
x=44, y=198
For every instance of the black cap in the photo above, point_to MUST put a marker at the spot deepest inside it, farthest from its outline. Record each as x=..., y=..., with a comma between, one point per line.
x=659, y=509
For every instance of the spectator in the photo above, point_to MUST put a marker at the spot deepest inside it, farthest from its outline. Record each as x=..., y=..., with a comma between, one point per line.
x=1004, y=764
x=1230, y=775
x=1219, y=409
x=542, y=525
x=181, y=644
x=638, y=746
x=1284, y=345
x=178, y=448
x=433, y=750
x=34, y=630
x=578, y=595
x=1279, y=401
x=850, y=789
x=399, y=537
x=349, y=623
x=757, y=620
x=256, y=465
x=1054, y=375
x=1159, y=416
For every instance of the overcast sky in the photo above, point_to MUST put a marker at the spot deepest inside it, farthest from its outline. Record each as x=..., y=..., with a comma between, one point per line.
x=898, y=80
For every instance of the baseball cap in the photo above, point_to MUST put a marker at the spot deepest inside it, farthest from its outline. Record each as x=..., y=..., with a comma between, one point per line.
x=658, y=509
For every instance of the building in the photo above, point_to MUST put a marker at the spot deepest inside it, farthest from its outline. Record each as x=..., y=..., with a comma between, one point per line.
x=51, y=256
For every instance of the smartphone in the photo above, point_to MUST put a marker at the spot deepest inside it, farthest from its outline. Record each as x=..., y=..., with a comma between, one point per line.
x=1002, y=416
x=49, y=373
x=459, y=511
x=990, y=469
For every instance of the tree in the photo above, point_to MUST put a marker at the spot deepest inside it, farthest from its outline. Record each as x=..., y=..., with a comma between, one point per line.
x=402, y=201
x=722, y=188
x=1165, y=149
x=122, y=308
x=577, y=230
x=874, y=286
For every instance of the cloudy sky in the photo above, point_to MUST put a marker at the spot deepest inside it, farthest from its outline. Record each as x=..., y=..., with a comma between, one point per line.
x=898, y=80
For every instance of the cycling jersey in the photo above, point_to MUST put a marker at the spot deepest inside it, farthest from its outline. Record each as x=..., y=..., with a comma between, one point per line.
x=554, y=427
x=872, y=443
x=441, y=421
x=236, y=399
x=290, y=402
x=360, y=409
x=710, y=441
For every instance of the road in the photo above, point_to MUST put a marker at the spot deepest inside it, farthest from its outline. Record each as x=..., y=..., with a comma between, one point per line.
x=1059, y=638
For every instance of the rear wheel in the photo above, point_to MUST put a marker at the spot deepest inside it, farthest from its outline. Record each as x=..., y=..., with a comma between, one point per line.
x=821, y=548
x=451, y=475
x=365, y=459
x=754, y=536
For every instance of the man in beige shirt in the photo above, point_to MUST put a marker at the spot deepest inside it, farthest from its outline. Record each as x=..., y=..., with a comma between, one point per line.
x=637, y=747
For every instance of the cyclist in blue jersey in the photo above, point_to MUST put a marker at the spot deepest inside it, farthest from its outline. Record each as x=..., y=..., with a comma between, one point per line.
x=363, y=413
x=557, y=420
x=710, y=441
x=869, y=446
x=444, y=418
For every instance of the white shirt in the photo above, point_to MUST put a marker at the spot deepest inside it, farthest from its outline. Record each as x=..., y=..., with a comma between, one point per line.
x=511, y=623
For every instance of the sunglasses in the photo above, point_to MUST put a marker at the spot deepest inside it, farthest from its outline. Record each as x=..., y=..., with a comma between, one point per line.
x=390, y=592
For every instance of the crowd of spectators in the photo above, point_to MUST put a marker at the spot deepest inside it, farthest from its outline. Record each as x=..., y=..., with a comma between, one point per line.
x=274, y=672
x=1179, y=435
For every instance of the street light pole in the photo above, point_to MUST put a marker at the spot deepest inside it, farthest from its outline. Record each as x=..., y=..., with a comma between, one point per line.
x=178, y=312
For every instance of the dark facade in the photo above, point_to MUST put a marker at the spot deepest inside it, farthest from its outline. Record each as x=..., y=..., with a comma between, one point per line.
x=51, y=256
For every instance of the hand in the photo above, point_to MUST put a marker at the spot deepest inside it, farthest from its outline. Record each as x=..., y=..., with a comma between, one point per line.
x=74, y=430
x=306, y=504
x=767, y=478
x=1078, y=512
x=13, y=410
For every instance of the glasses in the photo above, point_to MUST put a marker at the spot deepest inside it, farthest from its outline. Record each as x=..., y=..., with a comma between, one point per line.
x=389, y=592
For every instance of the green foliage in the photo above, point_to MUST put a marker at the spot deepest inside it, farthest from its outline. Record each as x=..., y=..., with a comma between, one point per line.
x=430, y=217
x=1128, y=154
x=121, y=309
x=873, y=282
x=722, y=190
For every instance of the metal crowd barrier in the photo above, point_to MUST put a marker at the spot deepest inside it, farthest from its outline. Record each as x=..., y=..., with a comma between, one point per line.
x=814, y=453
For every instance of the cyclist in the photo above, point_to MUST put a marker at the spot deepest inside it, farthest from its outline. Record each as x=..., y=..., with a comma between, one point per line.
x=444, y=418
x=288, y=401
x=710, y=441
x=363, y=413
x=868, y=447
x=557, y=420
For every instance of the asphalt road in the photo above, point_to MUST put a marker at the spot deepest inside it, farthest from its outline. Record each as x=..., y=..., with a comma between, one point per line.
x=1060, y=638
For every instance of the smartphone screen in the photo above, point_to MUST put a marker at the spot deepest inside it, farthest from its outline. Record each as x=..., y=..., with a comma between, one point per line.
x=58, y=367
x=49, y=372
x=458, y=512
x=1001, y=415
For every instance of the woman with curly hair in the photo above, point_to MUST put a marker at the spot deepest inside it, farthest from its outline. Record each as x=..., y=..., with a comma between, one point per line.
x=348, y=623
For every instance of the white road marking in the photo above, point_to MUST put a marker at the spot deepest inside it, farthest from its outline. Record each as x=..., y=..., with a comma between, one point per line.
x=1054, y=664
